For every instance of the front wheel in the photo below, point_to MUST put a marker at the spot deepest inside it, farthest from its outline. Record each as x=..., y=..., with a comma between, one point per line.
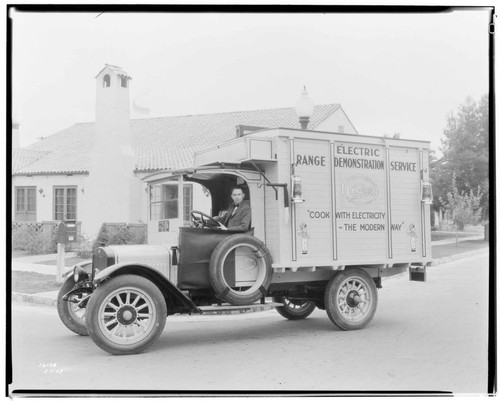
x=351, y=299
x=69, y=312
x=294, y=309
x=126, y=315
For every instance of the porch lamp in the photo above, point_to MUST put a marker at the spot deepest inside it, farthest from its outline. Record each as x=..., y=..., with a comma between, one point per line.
x=304, y=109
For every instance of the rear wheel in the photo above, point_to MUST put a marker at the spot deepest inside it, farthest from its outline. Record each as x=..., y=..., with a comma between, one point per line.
x=294, y=309
x=126, y=315
x=240, y=269
x=351, y=299
x=69, y=312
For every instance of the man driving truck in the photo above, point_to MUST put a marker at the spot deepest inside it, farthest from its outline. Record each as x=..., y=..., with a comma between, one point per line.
x=239, y=215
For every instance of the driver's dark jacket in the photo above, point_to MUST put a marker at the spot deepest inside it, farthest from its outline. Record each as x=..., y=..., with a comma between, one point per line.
x=241, y=219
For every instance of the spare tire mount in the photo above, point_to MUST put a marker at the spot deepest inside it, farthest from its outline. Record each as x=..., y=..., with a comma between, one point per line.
x=240, y=269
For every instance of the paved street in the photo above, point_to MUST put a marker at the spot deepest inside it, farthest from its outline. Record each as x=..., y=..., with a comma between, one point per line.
x=424, y=337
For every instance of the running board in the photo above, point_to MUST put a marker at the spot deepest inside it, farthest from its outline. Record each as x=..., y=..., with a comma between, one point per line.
x=226, y=308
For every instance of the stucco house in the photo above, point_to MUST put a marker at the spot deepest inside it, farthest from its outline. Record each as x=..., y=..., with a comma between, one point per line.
x=91, y=172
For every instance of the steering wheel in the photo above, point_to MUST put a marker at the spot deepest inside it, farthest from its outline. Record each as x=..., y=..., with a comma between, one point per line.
x=199, y=219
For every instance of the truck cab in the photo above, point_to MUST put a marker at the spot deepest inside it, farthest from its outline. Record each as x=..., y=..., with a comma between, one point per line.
x=193, y=238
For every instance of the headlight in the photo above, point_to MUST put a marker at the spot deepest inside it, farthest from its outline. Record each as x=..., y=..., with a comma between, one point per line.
x=77, y=273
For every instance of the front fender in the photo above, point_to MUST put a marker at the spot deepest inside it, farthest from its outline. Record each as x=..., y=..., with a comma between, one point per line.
x=86, y=265
x=176, y=301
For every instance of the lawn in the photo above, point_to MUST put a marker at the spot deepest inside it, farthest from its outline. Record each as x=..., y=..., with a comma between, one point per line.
x=440, y=251
x=31, y=282
x=441, y=235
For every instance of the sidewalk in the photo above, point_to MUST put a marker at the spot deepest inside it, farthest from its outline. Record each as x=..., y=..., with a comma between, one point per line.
x=32, y=264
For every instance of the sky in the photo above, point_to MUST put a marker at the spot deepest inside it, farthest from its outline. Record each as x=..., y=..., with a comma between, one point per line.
x=392, y=73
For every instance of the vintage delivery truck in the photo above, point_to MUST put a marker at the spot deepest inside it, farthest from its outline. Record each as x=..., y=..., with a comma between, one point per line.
x=332, y=215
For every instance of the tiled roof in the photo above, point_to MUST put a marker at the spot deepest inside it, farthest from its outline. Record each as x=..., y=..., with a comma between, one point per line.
x=161, y=143
x=24, y=157
x=117, y=70
x=66, y=152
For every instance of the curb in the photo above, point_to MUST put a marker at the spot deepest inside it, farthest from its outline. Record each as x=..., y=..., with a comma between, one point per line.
x=33, y=299
x=39, y=300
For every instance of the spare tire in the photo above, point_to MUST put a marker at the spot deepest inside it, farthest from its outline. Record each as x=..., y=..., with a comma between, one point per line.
x=240, y=270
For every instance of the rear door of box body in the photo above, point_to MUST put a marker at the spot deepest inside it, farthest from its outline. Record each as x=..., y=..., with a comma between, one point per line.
x=410, y=221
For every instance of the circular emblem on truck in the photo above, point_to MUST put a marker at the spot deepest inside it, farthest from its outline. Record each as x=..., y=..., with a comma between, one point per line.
x=359, y=189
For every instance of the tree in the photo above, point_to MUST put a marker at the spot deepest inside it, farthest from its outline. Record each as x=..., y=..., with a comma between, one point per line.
x=465, y=150
x=464, y=207
x=465, y=156
x=439, y=176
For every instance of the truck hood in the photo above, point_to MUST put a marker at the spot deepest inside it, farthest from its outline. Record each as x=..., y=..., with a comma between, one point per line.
x=156, y=256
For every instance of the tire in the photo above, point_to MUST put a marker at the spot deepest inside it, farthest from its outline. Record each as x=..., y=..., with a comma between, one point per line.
x=351, y=299
x=248, y=280
x=294, y=309
x=126, y=315
x=70, y=314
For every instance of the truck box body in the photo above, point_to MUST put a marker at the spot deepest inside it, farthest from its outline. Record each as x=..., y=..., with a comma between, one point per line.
x=360, y=197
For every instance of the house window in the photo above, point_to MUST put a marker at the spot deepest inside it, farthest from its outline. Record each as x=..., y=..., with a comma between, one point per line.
x=164, y=201
x=124, y=82
x=25, y=204
x=106, y=81
x=64, y=203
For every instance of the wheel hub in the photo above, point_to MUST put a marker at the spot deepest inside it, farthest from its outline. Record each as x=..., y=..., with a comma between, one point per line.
x=126, y=315
x=353, y=299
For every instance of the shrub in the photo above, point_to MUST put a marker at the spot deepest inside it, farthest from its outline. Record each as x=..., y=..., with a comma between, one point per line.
x=464, y=207
x=84, y=250
x=21, y=236
x=35, y=238
x=120, y=234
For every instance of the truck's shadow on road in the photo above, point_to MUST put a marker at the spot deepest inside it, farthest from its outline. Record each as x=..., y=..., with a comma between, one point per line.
x=201, y=333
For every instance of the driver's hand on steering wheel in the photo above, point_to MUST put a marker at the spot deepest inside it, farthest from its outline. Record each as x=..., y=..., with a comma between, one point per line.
x=204, y=219
x=195, y=222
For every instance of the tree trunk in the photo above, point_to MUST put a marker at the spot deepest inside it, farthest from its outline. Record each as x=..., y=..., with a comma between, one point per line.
x=487, y=232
